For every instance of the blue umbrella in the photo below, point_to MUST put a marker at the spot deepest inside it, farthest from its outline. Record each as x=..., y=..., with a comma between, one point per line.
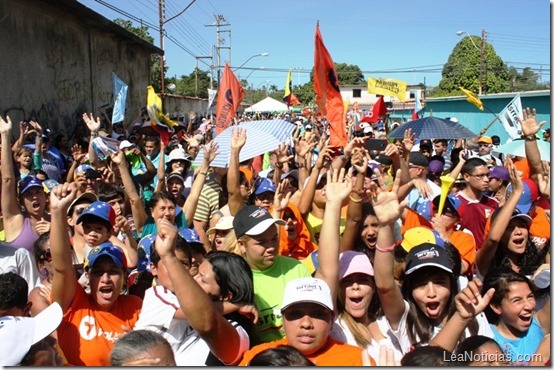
x=517, y=148
x=279, y=128
x=257, y=142
x=432, y=128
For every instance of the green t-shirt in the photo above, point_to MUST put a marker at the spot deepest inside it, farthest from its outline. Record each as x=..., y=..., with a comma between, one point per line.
x=269, y=287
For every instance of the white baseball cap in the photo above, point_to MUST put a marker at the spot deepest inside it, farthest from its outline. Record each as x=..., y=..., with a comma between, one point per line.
x=125, y=144
x=18, y=334
x=178, y=154
x=224, y=223
x=311, y=290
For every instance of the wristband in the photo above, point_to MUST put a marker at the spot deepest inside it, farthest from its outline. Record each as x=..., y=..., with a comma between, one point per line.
x=354, y=200
x=94, y=134
x=529, y=137
x=388, y=249
x=203, y=173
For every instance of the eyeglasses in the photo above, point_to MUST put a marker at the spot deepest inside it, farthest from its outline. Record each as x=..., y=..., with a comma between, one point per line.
x=288, y=215
x=46, y=255
x=482, y=176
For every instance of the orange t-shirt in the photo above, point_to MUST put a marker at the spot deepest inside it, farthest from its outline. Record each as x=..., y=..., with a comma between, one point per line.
x=334, y=353
x=463, y=241
x=87, y=334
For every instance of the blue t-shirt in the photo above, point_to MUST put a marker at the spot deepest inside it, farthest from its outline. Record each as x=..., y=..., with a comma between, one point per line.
x=151, y=228
x=518, y=351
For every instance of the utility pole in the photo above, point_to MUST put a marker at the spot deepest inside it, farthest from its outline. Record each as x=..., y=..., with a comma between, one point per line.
x=196, y=72
x=481, y=71
x=220, y=21
x=161, y=5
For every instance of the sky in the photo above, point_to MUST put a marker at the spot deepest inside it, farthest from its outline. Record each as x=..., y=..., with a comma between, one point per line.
x=405, y=39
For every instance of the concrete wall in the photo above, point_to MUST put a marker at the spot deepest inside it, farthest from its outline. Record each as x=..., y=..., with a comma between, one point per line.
x=57, y=62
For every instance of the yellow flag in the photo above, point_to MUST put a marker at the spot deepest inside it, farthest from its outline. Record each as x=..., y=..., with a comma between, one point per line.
x=153, y=100
x=387, y=87
x=473, y=98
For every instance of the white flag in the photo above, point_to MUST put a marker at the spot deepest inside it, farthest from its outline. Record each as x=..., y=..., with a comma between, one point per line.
x=211, y=95
x=509, y=115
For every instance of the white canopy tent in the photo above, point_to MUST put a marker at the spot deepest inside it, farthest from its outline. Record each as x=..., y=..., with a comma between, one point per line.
x=268, y=105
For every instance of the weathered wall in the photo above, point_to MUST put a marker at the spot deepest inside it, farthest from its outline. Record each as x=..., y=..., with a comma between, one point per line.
x=56, y=64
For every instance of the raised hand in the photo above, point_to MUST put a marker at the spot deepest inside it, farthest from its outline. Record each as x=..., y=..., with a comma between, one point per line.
x=238, y=138
x=515, y=178
x=42, y=226
x=469, y=302
x=529, y=125
x=303, y=146
x=36, y=126
x=92, y=125
x=5, y=126
x=282, y=153
x=339, y=184
x=121, y=224
x=282, y=197
x=166, y=237
x=210, y=151
x=118, y=158
x=62, y=195
x=324, y=157
x=408, y=141
x=544, y=179
x=359, y=160
x=357, y=142
x=385, y=203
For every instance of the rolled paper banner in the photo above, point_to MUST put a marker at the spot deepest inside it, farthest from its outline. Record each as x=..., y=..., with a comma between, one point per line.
x=446, y=182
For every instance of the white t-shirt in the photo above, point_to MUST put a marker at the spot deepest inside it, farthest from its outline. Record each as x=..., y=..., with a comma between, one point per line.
x=158, y=309
x=401, y=333
x=20, y=262
x=341, y=333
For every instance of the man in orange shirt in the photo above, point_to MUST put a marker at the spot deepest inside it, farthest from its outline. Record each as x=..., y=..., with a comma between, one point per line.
x=308, y=316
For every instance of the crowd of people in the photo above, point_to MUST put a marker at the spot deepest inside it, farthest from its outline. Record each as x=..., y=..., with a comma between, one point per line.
x=118, y=248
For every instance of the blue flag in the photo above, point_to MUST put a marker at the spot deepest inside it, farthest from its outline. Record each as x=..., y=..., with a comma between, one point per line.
x=120, y=95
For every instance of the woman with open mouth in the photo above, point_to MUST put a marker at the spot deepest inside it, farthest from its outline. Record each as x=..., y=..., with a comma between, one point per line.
x=24, y=203
x=508, y=243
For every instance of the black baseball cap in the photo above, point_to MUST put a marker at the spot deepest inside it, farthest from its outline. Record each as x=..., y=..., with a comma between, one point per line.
x=427, y=255
x=418, y=159
x=253, y=220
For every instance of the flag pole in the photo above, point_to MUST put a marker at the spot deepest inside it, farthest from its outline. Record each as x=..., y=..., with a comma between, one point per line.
x=493, y=121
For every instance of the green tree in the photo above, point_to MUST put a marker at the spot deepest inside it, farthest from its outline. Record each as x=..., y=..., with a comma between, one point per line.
x=349, y=74
x=155, y=66
x=463, y=69
x=526, y=81
x=195, y=84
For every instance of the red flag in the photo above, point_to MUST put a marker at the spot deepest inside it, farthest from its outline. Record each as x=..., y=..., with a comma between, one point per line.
x=378, y=110
x=294, y=100
x=415, y=115
x=229, y=96
x=326, y=87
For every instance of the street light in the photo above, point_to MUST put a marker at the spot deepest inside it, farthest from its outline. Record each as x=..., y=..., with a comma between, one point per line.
x=264, y=54
x=481, y=50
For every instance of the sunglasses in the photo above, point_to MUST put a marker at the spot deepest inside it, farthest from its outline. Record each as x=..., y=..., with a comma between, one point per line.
x=46, y=255
x=287, y=215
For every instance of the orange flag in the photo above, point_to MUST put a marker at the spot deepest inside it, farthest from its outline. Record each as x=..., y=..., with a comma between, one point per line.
x=229, y=96
x=326, y=87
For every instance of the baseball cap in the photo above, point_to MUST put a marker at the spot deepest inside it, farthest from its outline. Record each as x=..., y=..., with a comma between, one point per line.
x=18, y=333
x=99, y=210
x=351, y=262
x=224, y=223
x=253, y=220
x=82, y=168
x=427, y=255
x=263, y=185
x=293, y=174
x=125, y=144
x=88, y=196
x=384, y=160
x=515, y=214
x=29, y=182
x=49, y=184
x=421, y=235
x=303, y=290
x=418, y=159
x=190, y=235
x=143, y=252
x=308, y=127
x=175, y=175
x=499, y=172
x=110, y=250
x=485, y=140
x=529, y=196
x=451, y=204
x=436, y=167
x=178, y=154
